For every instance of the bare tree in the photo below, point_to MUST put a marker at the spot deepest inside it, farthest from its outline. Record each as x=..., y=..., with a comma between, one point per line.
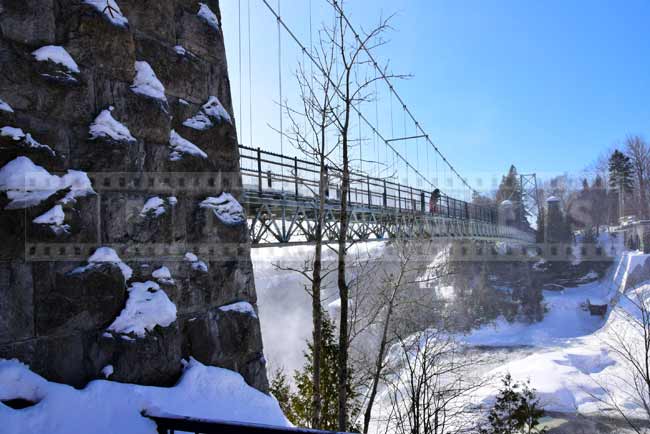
x=432, y=388
x=308, y=132
x=639, y=153
x=630, y=341
x=356, y=72
x=397, y=287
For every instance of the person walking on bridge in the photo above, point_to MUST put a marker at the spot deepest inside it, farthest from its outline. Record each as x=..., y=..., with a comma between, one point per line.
x=433, y=201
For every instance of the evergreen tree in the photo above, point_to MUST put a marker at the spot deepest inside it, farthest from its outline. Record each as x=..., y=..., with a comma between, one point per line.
x=510, y=189
x=280, y=389
x=621, y=177
x=541, y=228
x=516, y=410
x=298, y=406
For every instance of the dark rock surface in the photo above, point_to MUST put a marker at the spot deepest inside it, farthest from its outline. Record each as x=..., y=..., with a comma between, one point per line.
x=55, y=318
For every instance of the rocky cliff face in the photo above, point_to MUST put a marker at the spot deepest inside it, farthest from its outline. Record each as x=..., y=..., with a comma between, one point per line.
x=123, y=242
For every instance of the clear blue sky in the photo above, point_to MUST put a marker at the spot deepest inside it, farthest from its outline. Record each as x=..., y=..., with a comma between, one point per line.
x=546, y=85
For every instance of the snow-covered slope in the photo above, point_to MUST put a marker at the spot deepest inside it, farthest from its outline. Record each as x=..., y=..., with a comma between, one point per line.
x=106, y=407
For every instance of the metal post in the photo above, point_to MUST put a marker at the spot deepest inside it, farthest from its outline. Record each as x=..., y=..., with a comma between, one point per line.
x=385, y=198
x=295, y=168
x=422, y=206
x=399, y=197
x=259, y=170
x=448, y=209
x=369, y=192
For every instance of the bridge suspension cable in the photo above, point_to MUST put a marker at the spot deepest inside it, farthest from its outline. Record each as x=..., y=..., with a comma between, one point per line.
x=302, y=46
x=399, y=98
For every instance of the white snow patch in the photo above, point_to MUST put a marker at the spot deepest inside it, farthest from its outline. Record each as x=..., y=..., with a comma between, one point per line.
x=206, y=13
x=163, y=275
x=241, y=307
x=17, y=135
x=196, y=263
x=226, y=208
x=147, y=307
x=182, y=101
x=27, y=184
x=5, y=107
x=172, y=200
x=179, y=49
x=111, y=10
x=54, y=216
x=107, y=371
x=106, y=254
x=180, y=146
x=106, y=126
x=213, y=109
x=154, y=205
x=56, y=54
x=108, y=407
x=146, y=83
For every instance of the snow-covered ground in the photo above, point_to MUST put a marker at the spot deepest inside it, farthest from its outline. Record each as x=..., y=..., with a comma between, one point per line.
x=572, y=357
x=107, y=407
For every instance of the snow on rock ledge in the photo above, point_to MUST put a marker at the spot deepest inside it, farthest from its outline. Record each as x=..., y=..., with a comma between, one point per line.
x=27, y=184
x=208, y=16
x=56, y=54
x=103, y=255
x=5, y=107
x=18, y=135
x=105, y=126
x=157, y=206
x=180, y=146
x=111, y=11
x=107, y=407
x=241, y=307
x=197, y=264
x=211, y=111
x=147, y=307
x=54, y=219
x=163, y=275
x=226, y=208
x=146, y=83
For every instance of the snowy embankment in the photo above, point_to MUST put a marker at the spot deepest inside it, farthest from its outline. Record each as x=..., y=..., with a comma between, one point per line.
x=106, y=407
x=572, y=358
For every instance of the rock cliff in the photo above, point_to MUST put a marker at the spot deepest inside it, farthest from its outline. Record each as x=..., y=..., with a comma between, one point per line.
x=123, y=242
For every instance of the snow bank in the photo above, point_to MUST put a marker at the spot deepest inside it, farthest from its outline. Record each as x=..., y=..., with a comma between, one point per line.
x=211, y=110
x=27, y=184
x=208, y=16
x=226, y=208
x=111, y=11
x=5, y=107
x=196, y=263
x=147, y=307
x=105, y=126
x=146, y=83
x=180, y=146
x=56, y=54
x=163, y=275
x=17, y=135
x=107, y=407
x=241, y=307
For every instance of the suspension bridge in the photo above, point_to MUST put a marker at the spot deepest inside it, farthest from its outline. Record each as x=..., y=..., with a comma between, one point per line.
x=397, y=166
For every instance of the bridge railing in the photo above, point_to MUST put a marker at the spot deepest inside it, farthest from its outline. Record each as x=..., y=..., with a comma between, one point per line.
x=290, y=178
x=175, y=424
